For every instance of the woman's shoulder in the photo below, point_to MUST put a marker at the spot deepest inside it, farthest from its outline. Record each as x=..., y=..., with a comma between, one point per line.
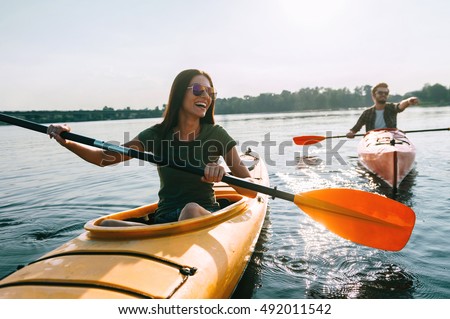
x=151, y=132
x=216, y=132
x=209, y=129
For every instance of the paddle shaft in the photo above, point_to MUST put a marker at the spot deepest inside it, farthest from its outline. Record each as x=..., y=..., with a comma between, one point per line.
x=413, y=131
x=148, y=157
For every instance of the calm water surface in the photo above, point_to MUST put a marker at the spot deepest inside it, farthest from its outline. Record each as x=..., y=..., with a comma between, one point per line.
x=47, y=194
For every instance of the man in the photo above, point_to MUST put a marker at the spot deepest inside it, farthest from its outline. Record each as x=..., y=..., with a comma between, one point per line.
x=381, y=114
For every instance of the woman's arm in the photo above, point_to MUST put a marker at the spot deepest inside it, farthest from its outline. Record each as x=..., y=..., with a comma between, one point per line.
x=238, y=169
x=91, y=154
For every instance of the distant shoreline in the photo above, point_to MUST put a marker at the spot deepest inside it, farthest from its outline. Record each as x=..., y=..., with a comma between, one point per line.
x=111, y=115
x=83, y=115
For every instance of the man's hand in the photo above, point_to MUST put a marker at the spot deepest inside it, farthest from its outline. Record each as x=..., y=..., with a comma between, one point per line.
x=350, y=134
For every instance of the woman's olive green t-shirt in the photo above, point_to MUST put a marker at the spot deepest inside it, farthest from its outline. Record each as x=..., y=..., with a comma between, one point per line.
x=177, y=188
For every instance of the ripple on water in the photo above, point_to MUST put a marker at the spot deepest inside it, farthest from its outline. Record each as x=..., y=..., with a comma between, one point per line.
x=357, y=277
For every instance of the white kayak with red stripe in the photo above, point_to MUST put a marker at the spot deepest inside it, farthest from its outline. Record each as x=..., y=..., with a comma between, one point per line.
x=388, y=153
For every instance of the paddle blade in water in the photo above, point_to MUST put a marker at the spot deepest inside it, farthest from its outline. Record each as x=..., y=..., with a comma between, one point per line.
x=364, y=218
x=308, y=140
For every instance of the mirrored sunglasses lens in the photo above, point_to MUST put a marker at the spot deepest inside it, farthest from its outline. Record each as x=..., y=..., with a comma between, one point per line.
x=198, y=89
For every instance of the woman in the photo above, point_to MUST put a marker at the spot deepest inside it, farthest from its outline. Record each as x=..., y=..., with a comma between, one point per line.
x=186, y=136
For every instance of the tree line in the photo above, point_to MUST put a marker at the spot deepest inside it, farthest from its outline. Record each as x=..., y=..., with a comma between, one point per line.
x=318, y=98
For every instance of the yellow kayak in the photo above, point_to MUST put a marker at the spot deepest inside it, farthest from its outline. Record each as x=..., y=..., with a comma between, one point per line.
x=202, y=257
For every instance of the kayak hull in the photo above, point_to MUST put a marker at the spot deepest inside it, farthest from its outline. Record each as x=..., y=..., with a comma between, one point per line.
x=202, y=257
x=387, y=153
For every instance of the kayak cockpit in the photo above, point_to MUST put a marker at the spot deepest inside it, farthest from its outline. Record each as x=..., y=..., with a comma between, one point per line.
x=232, y=204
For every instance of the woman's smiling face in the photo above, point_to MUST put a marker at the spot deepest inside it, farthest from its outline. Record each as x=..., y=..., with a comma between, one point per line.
x=197, y=105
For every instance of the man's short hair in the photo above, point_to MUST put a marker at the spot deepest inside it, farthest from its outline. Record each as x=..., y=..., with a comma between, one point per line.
x=379, y=85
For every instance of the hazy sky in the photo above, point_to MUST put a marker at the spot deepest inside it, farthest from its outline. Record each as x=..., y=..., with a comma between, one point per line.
x=75, y=54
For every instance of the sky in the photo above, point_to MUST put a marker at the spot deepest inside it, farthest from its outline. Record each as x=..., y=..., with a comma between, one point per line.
x=80, y=54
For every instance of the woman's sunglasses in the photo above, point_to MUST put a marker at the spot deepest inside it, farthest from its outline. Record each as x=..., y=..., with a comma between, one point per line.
x=198, y=89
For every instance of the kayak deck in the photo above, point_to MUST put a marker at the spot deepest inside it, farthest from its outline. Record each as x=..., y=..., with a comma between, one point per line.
x=387, y=153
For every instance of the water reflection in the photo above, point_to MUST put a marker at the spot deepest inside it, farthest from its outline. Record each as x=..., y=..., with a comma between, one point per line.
x=404, y=192
x=352, y=277
x=388, y=282
x=307, y=161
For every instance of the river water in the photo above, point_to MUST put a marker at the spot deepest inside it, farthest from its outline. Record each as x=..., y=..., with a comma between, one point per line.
x=47, y=194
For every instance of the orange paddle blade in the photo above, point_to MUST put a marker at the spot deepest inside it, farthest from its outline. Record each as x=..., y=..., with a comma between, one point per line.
x=308, y=139
x=364, y=218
